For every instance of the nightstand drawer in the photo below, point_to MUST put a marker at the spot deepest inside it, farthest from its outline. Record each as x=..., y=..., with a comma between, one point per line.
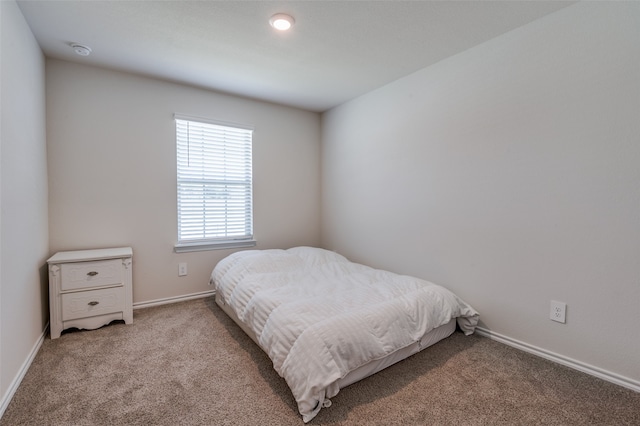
x=90, y=303
x=91, y=274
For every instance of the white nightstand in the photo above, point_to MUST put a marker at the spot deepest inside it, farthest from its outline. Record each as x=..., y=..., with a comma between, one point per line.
x=90, y=288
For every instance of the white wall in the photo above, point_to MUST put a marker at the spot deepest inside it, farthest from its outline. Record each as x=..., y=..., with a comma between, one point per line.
x=112, y=177
x=23, y=199
x=509, y=173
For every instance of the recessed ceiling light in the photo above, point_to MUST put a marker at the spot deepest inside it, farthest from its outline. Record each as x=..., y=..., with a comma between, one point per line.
x=81, y=50
x=281, y=21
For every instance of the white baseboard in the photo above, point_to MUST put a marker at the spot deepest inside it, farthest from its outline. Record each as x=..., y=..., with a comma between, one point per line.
x=6, y=398
x=561, y=359
x=167, y=300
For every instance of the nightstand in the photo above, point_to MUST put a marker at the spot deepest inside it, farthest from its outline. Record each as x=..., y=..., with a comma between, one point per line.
x=90, y=288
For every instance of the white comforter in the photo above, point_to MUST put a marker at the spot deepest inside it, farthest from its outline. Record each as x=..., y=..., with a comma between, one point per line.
x=319, y=316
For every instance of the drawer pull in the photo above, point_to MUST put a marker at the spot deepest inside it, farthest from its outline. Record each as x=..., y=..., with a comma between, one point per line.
x=93, y=303
x=92, y=273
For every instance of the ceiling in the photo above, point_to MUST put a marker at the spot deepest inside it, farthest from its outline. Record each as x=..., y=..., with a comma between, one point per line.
x=336, y=51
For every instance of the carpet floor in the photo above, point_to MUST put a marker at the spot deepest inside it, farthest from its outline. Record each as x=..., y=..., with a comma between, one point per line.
x=188, y=364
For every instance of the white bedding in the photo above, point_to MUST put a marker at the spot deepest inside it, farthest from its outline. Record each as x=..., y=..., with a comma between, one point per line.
x=319, y=316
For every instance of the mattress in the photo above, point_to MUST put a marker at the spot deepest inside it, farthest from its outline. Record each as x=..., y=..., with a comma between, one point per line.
x=326, y=322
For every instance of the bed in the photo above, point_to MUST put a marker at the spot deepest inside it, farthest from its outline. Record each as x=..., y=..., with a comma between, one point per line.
x=326, y=322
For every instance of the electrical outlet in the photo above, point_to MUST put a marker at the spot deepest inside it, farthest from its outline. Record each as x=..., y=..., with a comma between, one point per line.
x=182, y=269
x=558, y=311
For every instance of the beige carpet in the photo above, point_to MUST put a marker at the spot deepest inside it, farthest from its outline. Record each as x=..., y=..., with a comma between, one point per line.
x=188, y=364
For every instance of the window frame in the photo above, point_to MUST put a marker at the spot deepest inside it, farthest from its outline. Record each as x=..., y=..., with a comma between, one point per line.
x=212, y=243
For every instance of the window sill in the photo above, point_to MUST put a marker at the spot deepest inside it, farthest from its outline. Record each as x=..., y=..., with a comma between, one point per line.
x=200, y=246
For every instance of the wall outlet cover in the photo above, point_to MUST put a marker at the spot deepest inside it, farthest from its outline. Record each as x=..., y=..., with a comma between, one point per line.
x=182, y=269
x=558, y=311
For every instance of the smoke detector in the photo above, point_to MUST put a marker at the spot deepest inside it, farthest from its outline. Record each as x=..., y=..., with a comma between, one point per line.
x=80, y=49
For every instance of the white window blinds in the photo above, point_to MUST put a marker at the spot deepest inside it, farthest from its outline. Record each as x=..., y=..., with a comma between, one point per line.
x=214, y=183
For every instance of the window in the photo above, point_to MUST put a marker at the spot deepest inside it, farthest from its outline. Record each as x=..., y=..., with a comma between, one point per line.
x=215, y=206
